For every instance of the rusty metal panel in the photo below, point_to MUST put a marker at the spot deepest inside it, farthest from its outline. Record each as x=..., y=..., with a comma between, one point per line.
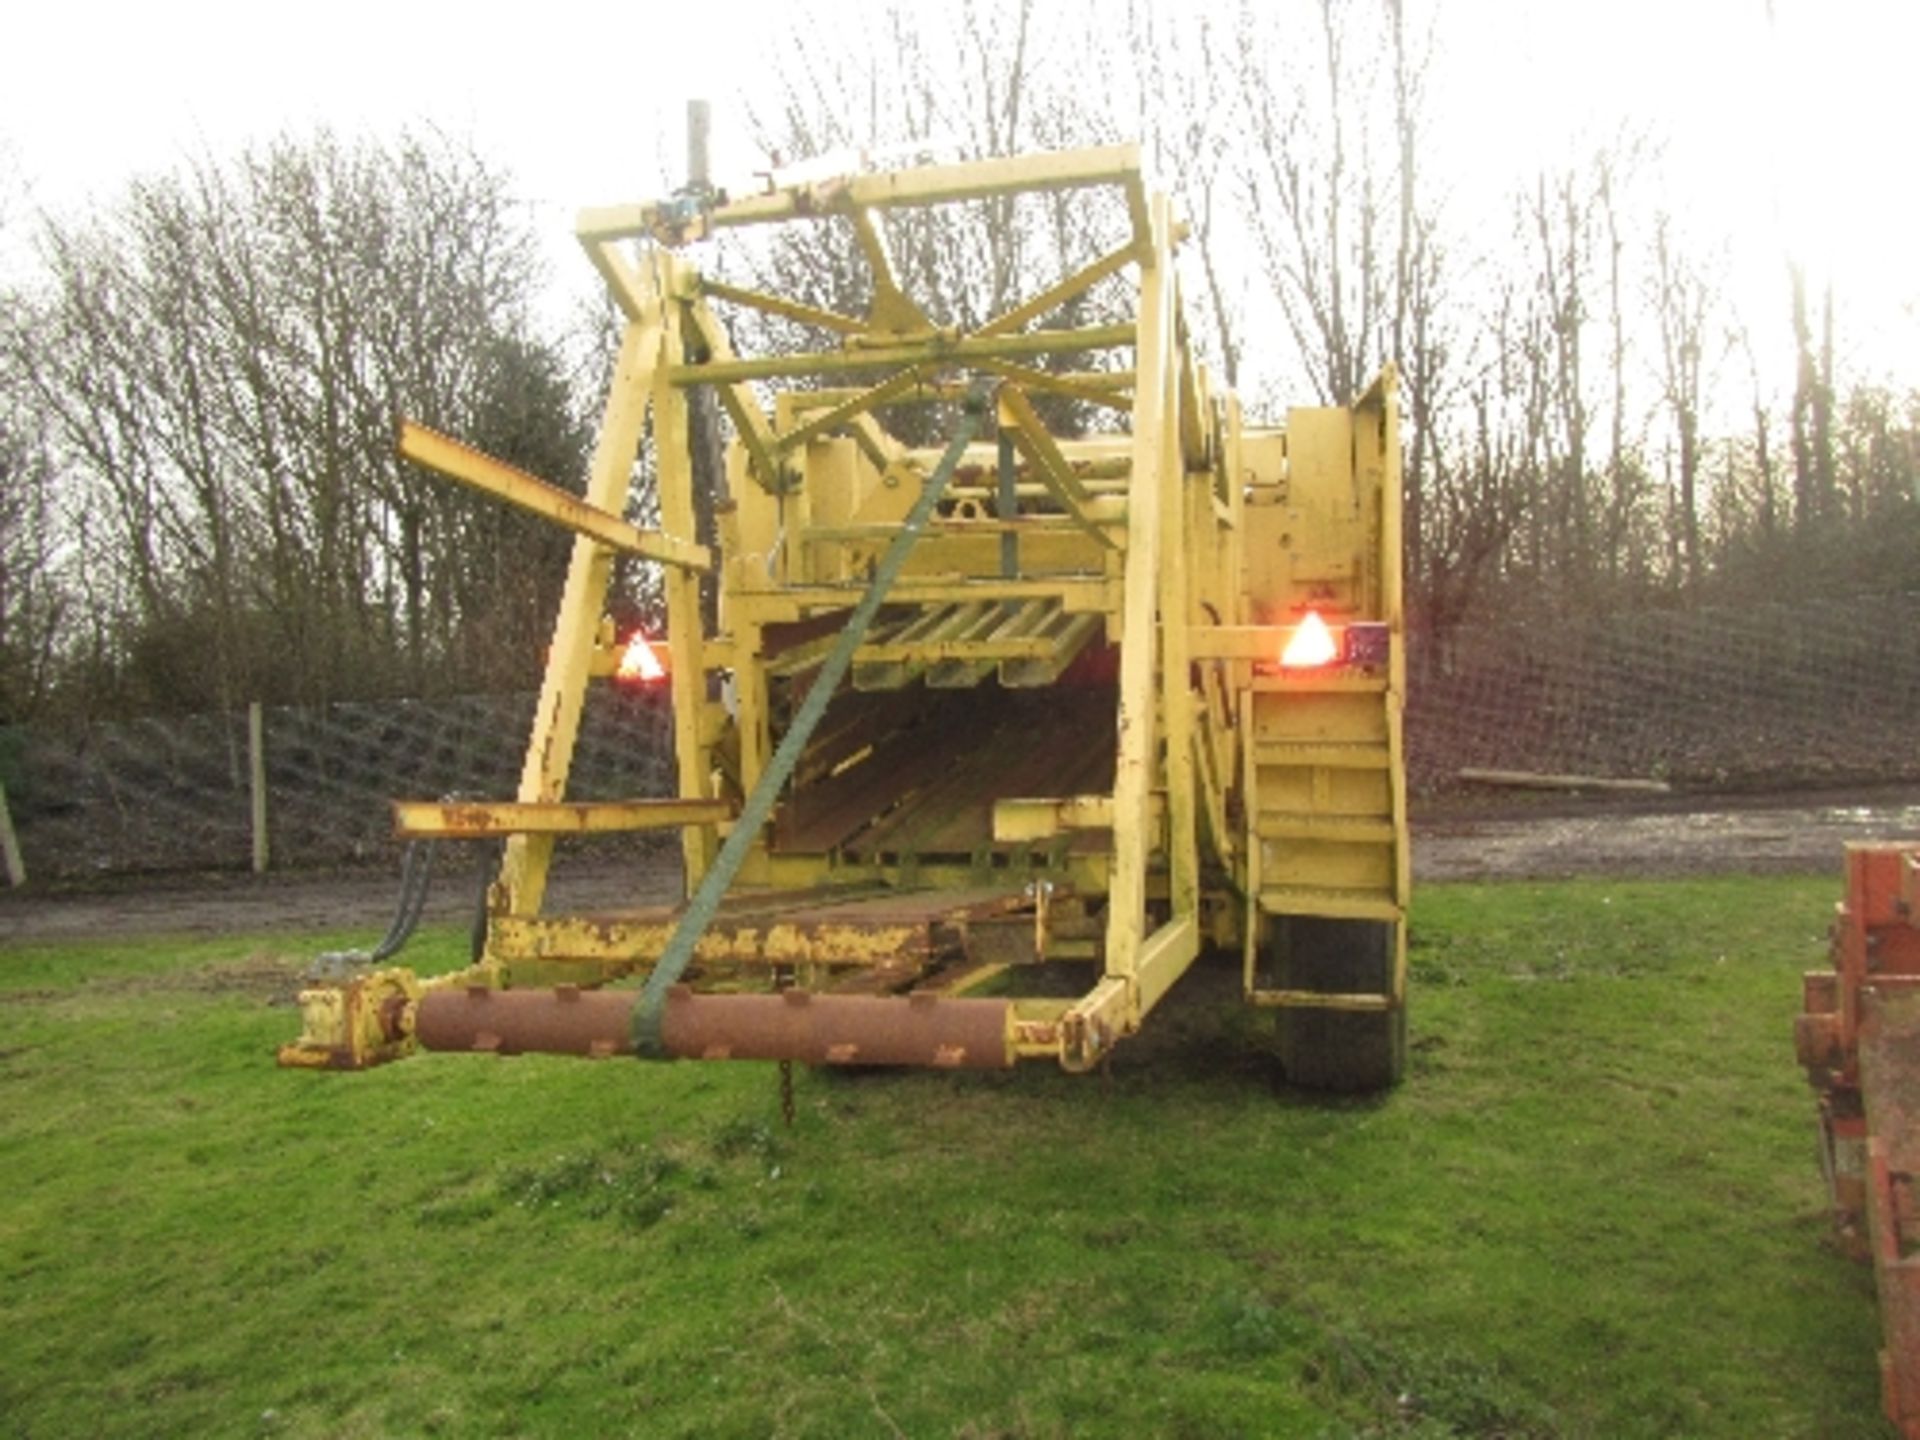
x=923, y=778
x=1890, y=1086
x=839, y=1029
x=1859, y=1037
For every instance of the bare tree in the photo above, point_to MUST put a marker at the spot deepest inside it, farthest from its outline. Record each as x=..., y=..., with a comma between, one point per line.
x=33, y=593
x=1683, y=299
x=1314, y=199
x=1812, y=423
x=1561, y=214
x=883, y=96
x=220, y=363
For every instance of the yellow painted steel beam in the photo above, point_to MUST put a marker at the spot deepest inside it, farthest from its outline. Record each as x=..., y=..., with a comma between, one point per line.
x=632, y=288
x=931, y=651
x=1252, y=920
x=637, y=941
x=576, y=629
x=1097, y=455
x=1035, y=1023
x=1140, y=215
x=1320, y=682
x=1091, y=1026
x=1377, y=419
x=1020, y=820
x=886, y=357
x=1180, y=561
x=1351, y=903
x=933, y=624
x=1026, y=525
x=1193, y=413
x=1031, y=437
x=752, y=707
x=1243, y=642
x=1322, y=828
x=1379, y=463
x=793, y=601
x=1317, y=1000
x=1040, y=448
x=1164, y=957
x=788, y=309
x=1134, y=769
x=686, y=625
x=717, y=655
x=1068, y=640
x=422, y=819
x=1211, y=750
x=846, y=410
x=738, y=400
x=890, y=312
x=449, y=457
x=920, y=185
x=1097, y=387
x=1024, y=489
x=880, y=448
x=1055, y=296
x=1090, y=387
x=978, y=179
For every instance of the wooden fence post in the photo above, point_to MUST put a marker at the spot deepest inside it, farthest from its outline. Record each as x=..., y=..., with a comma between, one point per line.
x=257, y=770
x=10, y=845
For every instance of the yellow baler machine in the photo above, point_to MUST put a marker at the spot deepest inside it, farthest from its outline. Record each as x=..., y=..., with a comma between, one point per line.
x=1021, y=699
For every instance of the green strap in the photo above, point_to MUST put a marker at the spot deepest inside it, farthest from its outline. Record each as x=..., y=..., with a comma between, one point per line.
x=647, y=1014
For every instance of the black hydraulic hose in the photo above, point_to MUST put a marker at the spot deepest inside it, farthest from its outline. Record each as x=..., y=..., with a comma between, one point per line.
x=416, y=873
x=489, y=865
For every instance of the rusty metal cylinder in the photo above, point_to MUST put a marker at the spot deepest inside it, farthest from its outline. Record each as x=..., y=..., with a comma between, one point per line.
x=792, y=1025
x=838, y=1029
x=566, y=1021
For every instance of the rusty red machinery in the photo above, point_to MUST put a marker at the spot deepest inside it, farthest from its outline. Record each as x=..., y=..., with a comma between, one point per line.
x=1859, y=1038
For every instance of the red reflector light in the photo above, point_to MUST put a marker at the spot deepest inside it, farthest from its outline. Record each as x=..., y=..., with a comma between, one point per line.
x=1311, y=645
x=638, y=664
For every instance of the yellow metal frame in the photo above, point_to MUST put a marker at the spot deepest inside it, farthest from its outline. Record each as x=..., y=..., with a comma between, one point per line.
x=1140, y=538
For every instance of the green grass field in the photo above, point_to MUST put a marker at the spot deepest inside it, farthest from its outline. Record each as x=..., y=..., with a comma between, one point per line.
x=1592, y=1211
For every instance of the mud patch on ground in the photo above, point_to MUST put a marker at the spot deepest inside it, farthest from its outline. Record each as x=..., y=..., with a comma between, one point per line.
x=268, y=977
x=273, y=979
x=1664, y=835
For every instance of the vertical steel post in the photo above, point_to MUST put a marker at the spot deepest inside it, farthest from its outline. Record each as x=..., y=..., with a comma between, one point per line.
x=1007, y=506
x=10, y=845
x=699, y=127
x=257, y=778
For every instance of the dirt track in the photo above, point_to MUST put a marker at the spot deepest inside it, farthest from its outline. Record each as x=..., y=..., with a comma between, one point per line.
x=1667, y=835
x=1553, y=837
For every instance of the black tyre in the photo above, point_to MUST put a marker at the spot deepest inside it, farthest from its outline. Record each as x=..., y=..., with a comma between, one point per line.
x=1348, y=1051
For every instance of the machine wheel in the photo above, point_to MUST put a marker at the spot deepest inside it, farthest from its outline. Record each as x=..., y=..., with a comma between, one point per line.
x=1349, y=1051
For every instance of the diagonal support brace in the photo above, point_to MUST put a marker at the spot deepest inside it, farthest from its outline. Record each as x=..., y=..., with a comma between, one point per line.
x=446, y=456
x=649, y=1011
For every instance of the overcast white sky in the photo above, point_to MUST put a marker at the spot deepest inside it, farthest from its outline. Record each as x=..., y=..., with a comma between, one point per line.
x=1801, y=132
